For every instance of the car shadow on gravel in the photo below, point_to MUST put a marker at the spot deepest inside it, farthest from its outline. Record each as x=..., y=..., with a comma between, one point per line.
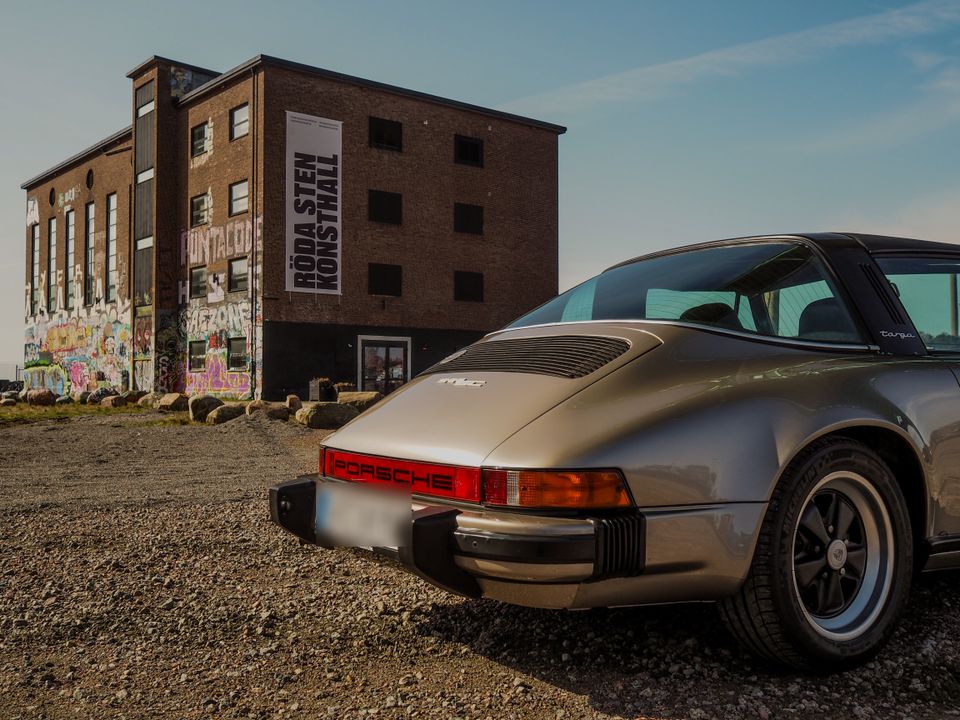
x=679, y=661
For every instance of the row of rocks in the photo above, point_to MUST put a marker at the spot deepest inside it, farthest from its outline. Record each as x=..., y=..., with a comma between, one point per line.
x=44, y=397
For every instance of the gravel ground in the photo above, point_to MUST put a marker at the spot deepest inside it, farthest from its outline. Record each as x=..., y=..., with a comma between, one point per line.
x=140, y=577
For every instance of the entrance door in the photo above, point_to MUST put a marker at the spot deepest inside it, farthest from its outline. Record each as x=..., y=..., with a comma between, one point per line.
x=384, y=363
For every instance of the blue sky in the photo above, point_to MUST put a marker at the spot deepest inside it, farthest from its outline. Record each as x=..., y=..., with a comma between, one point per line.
x=688, y=120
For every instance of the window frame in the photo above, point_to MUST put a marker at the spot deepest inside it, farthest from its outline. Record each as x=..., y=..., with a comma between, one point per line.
x=371, y=194
x=234, y=135
x=458, y=140
x=192, y=286
x=205, y=125
x=34, y=268
x=383, y=266
x=231, y=275
x=112, y=278
x=374, y=120
x=194, y=223
x=230, y=355
x=462, y=274
x=51, y=265
x=200, y=367
x=466, y=228
x=69, y=258
x=89, y=252
x=245, y=198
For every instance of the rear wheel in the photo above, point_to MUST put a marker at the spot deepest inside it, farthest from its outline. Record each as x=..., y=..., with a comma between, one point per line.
x=832, y=568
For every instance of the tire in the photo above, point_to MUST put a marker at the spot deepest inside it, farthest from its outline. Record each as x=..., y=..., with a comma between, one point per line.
x=832, y=569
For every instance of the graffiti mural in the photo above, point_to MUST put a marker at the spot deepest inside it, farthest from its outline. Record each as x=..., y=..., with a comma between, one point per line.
x=81, y=349
x=213, y=243
x=216, y=326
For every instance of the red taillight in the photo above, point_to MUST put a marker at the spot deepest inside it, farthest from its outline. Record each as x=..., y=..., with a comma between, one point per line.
x=582, y=489
x=446, y=481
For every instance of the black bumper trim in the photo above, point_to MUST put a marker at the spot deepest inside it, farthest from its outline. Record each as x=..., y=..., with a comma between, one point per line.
x=292, y=506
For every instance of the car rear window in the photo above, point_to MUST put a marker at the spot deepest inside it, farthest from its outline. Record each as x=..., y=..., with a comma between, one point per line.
x=779, y=289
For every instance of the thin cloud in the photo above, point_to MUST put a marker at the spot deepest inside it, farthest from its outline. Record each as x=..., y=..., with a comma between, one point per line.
x=653, y=81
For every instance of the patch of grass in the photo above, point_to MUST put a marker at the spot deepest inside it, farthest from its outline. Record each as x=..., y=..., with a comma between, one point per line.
x=21, y=413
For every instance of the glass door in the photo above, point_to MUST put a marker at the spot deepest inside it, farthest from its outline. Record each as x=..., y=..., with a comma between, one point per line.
x=384, y=364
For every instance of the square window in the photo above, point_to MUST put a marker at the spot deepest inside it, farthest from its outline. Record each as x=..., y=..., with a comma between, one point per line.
x=198, y=282
x=237, y=354
x=237, y=275
x=198, y=140
x=239, y=197
x=468, y=218
x=199, y=210
x=198, y=355
x=468, y=150
x=384, y=279
x=239, y=121
x=385, y=207
x=386, y=134
x=468, y=286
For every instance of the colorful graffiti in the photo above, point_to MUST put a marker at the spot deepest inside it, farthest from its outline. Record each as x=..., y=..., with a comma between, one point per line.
x=79, y=349
x=212, y=243
x=216, y=325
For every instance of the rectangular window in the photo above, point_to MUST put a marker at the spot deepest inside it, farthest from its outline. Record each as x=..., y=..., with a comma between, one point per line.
x=198, y=355
x=111, y=247
x=198, y=140
x=239, y=121
x=468, y=218
x=89, y=220
x=237, y=353
x=68, y=269
x=468, y=151
x=199, y=210
x=384, y=279
x=468, y=286
x=385, y=207
x=52, y=265
x=239, y=199
x=237, y=275
x=929, y=290
x=144, y=98
x=143, y=272
x=198, y=282
x=35, y=268
x=386, y=134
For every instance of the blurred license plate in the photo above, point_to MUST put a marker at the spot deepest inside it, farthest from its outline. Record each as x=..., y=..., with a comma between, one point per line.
x=350, y=515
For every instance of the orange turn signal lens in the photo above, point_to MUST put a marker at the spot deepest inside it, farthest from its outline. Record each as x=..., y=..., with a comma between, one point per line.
x=555, y=489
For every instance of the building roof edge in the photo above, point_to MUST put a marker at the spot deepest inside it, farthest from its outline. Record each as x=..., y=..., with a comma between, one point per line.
x=74, y=159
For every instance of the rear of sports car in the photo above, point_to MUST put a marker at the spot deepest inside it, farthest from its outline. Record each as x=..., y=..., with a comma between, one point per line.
x=451, y=476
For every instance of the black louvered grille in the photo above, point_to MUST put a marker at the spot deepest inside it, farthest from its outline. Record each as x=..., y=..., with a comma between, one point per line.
x=620, y=547
x=567, y=356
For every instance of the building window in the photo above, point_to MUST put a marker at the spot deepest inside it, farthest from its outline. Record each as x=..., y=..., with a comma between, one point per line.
x=52, y=265
x=386, y=134
x=239, y=197
x=68, y=269
x=90, y=179
x=468, y=218
x=385, y=207
x=237, y=275
x=199, y=210
x=239, y=121
x=35, y=268
x=198, y=140
x=89, y=220
x=237, y=354
x=198, y=355
x=468, y=286
x=111, y=247
x=198, y=282
x=468, y=150
x=384, y=279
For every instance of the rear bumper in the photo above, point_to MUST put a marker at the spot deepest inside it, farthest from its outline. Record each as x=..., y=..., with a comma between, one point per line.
x=658, y=555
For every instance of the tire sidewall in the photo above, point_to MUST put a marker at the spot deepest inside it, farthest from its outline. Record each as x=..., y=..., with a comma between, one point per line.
x=833, y=456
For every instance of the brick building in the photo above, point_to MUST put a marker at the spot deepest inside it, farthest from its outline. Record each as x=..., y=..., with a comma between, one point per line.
x=277, y=222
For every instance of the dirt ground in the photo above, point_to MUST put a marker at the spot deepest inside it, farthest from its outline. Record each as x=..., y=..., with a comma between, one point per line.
x=140, y=577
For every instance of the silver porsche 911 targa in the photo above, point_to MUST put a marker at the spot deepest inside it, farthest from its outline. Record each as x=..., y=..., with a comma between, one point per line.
x=772, y=423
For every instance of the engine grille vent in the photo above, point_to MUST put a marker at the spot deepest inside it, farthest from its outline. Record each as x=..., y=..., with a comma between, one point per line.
x=567, y=356
x=621, y=550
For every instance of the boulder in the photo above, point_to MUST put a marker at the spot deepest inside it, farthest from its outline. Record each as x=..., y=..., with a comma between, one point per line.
x=293, y=403
x=132, y=396
x=150, y=400
x=64, y=400
x=274, y=411
x=113, y=401
x=255, y=406
x=41, y=396
x=360, y=400
x=97, y=396
x=326, y=415
x=80, y=398
x=223, y=413
x=173, y=402
x=8, y=402
x=201, y=405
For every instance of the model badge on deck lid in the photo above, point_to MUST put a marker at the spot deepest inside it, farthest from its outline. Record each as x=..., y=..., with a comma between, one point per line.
x=462, y=382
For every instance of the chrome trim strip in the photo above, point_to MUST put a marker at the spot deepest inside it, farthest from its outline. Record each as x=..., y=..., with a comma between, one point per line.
x=528, y=572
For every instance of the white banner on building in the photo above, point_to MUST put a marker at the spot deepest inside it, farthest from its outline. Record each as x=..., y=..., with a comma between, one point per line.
x=313, y=204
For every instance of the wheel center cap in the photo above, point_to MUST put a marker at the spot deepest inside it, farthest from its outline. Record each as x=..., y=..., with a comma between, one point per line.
x=836, y=554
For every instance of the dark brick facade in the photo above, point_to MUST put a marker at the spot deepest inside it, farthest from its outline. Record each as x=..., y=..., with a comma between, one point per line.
x=516, y=253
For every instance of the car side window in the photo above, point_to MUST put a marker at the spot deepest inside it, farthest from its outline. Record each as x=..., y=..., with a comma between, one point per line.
x=928, y=290
x=787, y=306
x=665, y=304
